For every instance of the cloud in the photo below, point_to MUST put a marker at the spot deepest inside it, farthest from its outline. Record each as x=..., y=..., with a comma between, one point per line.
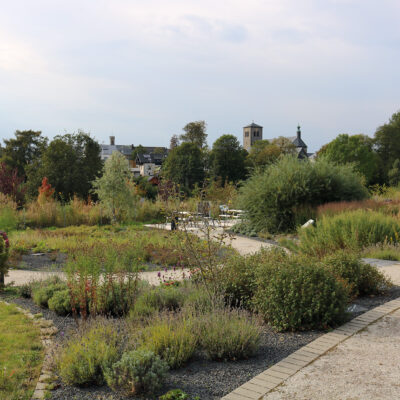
x=125, y=65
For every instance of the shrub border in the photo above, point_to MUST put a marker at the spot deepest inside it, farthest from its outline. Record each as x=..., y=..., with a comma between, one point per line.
x=47, y=330
x=257, y=387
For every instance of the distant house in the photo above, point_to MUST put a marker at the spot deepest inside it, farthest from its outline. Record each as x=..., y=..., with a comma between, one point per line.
x=150, y=163
x=254, y=132
x=145, y=164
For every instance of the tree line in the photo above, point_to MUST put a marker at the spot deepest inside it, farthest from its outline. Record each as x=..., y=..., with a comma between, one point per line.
x=72, y=162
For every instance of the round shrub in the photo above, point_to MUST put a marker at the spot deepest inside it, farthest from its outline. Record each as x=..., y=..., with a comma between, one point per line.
x=85, y=356
x=42, y=294
x=270, y=198
x=363, y=278
x=171, y=338
x=60, y=302
x=237, y=279
x=293, y=293
x=158, y=299
x=138, y=371
x=229, y=335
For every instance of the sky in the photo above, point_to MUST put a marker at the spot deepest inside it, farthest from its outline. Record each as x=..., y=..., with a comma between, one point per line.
x=141, y=70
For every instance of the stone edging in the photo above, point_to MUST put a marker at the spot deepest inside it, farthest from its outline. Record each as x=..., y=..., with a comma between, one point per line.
x=47, y=330
x=260, y=385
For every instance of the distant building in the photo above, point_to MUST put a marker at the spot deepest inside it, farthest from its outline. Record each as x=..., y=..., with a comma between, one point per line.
x=254, y=132
x=147, y=163
x=251, y=133
x=150, y=163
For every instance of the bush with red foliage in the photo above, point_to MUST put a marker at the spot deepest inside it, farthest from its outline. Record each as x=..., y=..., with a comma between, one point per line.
x=11, y=184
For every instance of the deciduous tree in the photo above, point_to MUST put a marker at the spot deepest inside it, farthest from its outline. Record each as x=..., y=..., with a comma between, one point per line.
x=227, y=159
x=357, y=150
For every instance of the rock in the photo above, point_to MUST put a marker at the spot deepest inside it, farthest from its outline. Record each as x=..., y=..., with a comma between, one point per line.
x=356, y=308
x=310, y=222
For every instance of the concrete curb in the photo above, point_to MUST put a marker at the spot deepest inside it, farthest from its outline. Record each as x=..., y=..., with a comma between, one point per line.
x=47, y=330
x=260, y=385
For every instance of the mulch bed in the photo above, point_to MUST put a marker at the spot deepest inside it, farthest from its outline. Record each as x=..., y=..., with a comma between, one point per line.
x=209, y=380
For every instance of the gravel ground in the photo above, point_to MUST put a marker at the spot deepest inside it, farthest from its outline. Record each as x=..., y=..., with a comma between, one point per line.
x=207, y=379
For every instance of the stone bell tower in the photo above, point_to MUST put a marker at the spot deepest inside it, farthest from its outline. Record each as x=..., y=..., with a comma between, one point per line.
x=251, y=133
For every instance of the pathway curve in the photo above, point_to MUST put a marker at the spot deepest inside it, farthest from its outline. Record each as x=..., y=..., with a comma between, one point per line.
x=242, y=244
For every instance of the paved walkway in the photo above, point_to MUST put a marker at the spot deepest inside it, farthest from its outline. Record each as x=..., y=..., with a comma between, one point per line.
x=242, y=244
x=20, y=277
x=362, y=366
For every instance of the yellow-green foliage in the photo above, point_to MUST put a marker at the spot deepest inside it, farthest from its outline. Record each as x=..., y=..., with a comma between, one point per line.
x=171, y=338
x=21, y=354
x=135, y=242
x=229, y=334
x=85, y=356
x=353, y=230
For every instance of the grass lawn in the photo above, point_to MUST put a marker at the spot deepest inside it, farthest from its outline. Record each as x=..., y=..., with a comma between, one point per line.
x=21, y=354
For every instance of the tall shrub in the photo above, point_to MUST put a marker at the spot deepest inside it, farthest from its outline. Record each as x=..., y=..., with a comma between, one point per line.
x=272, y=197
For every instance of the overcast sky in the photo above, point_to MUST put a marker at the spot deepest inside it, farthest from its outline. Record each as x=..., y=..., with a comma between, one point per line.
x=140, y=70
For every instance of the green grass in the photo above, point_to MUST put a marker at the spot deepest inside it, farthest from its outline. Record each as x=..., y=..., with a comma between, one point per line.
x=350, y=230
x=21, y=354
x=383, y=252
x=142, y=245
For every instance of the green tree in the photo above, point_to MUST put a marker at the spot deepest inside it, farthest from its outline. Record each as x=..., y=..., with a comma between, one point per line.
x=137, y=150
x=115, y=187
x=184, y=165
x=387, y=143
x=394, y=173
x=357, y=150
x=195, y=132
x=264, y=152
x=227, y=159
x=71, y=162
x=25, y=149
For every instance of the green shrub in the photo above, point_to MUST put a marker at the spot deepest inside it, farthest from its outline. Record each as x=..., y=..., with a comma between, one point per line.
x=349, y=230
x=294, y=293
x=138, y=371
x=86, y=355
x=43, y=294
x=172, y=339
x=237, y=278
x=60, y=302
x=272, y=197
x=364, y=279
x=229, y=335
x=175, y=394
x=158, y=299
x=197, y=299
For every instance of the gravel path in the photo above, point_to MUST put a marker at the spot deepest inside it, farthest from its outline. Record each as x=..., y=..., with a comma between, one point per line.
x=365, y=366
x=242, y=244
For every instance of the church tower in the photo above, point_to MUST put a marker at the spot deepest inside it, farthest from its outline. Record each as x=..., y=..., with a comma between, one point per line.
x=251, y=133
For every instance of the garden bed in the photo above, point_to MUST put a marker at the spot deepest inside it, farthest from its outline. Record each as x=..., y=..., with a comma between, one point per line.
x=207, y=379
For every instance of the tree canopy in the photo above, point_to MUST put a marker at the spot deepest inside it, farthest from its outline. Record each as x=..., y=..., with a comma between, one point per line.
x=387, y=143
x=227, y=159
x=357, y=150
x=115, y=187
x=195, y=132
x=70, y=162
x=264, y=152
x=184, y=165
x=21, y=151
